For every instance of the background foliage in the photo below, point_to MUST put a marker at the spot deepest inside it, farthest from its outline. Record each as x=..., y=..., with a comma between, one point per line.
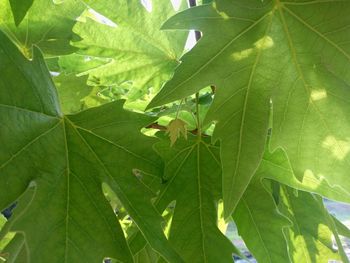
x=121, y=143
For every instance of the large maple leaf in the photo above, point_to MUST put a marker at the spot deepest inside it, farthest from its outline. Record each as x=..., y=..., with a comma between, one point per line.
x=134, y=50
x=254, y=51
x=66, y=159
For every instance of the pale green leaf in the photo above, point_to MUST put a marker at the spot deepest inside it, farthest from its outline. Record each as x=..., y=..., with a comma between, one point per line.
x=134, y=50
x=276, y=166
x=310, y=238
x=72, y=91
x=175, y=129
x=307, y=214
x=342, y=229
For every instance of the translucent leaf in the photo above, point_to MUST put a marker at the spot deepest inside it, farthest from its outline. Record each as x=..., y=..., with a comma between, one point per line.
x=254, y=51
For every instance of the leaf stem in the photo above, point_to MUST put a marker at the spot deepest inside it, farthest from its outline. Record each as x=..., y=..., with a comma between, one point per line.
x=178, y=109
x=198, y=35
x=197, y=114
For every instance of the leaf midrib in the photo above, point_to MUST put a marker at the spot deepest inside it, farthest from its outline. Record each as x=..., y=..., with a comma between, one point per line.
x=174, y=89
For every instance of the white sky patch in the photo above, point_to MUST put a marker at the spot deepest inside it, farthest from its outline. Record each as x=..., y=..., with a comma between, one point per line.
x=147, y=4
x=102, y=19
x=191, y=41
x=176, y=4
x=54, y=73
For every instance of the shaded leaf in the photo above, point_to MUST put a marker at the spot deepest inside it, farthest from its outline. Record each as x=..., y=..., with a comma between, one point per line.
x=261, y=224
x=19, y=9
x=192, y=171
x=305, y=210
x=66, y=158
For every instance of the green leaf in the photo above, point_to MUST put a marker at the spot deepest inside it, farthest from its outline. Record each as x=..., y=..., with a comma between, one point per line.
x=72, y=91
x=241, y=103
x=15, y=250
x=134, y=50
x=257, y=50
x=342, y=229
x=310, y=238
x=19, y=9
x=146, y=255
x=261, y=224
x=276, y=166
x=47, y=24
x=65, y=159
x=192, y=173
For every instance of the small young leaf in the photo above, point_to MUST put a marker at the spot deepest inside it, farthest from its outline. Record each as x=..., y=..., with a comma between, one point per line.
x=175, y=128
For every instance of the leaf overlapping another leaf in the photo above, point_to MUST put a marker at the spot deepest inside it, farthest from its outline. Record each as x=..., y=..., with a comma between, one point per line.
x=66, y=159
x=134, y=49
x=19, y=9
x=298, y=223
x=47, y=24
x=192, y=173
x=254, y=51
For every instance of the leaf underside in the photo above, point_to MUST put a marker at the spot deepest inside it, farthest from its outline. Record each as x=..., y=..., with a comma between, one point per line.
x=66, y=159
x=282, y=51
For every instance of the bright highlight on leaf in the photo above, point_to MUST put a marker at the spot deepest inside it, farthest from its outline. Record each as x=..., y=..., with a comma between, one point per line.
x=136, y=50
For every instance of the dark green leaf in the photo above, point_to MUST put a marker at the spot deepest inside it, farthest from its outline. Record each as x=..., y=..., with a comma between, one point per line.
x=65, y=159
x=193, y=181
x=19, y=9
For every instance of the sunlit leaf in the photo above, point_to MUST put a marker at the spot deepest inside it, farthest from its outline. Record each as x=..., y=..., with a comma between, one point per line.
x=47, y=24
x=257, y=50
x=134, y=48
